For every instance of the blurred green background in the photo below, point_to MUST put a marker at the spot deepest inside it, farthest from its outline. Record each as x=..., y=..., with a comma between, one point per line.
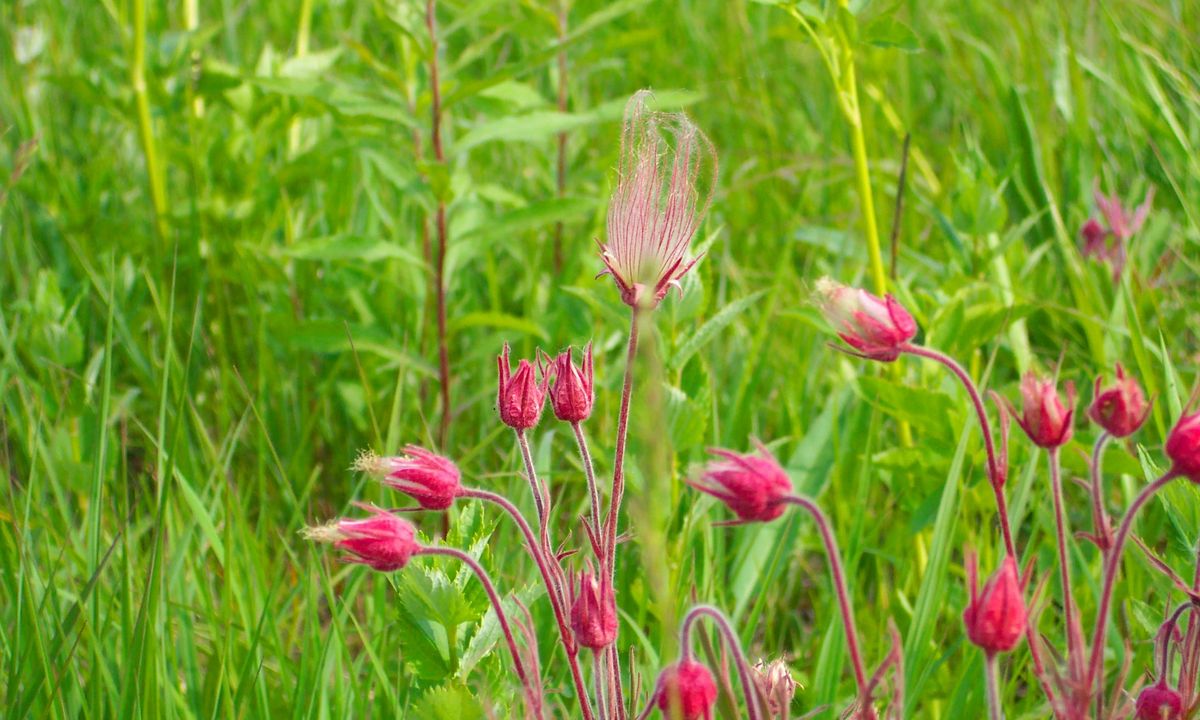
x=214, y=291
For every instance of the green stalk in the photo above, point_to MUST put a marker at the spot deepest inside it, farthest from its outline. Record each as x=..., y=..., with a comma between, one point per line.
x=303, y=33
x=137, y=78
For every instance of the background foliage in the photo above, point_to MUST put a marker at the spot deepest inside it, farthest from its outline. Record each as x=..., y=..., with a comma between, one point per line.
x=182, y=390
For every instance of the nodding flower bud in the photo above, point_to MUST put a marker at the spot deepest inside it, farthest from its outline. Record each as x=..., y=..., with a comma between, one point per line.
x=382, y=541
x=432, y=480
x=571, y=393
x=1043, y=416
x=520, y=397
x=753, y=486
x=686, y=691
x=1120, y=409
x=876, y=327
x=1183, y=447
x=594, y=612
x=995, y=618
x=777, y=685
x=1159, y=702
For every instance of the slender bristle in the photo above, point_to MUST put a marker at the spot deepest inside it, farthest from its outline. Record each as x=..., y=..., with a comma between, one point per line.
x=327, y=533
x=366, y=462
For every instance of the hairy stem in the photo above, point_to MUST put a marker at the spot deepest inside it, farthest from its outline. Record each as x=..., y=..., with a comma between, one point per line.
x=992, y=680
x=732, y=643
x=590, y=472
x=439, y=153
x=1100, y=523
x=618, y=484
x=1074, y=651
x=833, y=555
x=541, y=497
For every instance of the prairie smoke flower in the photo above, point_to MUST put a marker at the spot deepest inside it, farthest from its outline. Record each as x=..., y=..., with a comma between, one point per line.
x=686, y=690
x=594, y=612
x=1120, y=409
x=382, y=541
x=995, y=618
x=1122, y=225
x=664, y=187
x=1159, y=702
x=777, y=685
x=1183, y=446
x=519, y=396
x=1043, y=416
x=876, y=327
x=571, y=392
x=753, y=486
x=432, y=480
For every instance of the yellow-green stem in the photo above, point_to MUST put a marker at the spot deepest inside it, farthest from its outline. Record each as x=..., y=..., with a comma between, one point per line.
x=137, y=78
x=303, y=33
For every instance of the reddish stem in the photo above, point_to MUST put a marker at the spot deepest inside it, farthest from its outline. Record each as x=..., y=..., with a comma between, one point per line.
x=1074, y=651
x=439, y=153
x=1111, y=563
x=839, y=585
x=1100, y=521
x=731, y=642
x=995, y=709
x=590, y=472
x=541, y=497
x=618, y=485
x=530, y=689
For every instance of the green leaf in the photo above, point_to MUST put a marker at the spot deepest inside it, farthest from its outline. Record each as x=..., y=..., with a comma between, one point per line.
x=452, y=701
x=888, y=32
x=541, y=214
x=350, y=247
x=709, y=330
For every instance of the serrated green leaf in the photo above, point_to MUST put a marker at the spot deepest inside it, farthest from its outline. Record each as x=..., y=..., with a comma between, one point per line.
x=709, y=330
x=448, y=702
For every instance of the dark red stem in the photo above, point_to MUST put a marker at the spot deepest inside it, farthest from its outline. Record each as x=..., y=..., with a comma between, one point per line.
x=1100, y=522
x=1074, y=651
x=731, y=642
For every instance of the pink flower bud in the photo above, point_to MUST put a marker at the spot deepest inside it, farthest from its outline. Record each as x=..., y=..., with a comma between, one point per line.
x=1043, y=416
x=432, y=480
x=571, y=393
x=1120, y=409
x=1159, y=702
x=594, y=612
x=1183, y=446
x=665, y=183
x=1094, y=239
x=876, y=327
x=995, y=619
x=753, y=486
x=520, y=397
x=383, y=541
x=1110, y=244
x=686, y=690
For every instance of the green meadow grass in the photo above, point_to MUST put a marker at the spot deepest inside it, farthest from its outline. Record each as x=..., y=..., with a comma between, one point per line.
x=212, y=294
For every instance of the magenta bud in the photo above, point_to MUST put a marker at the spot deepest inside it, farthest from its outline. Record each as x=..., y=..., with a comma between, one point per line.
x=1183, y=447
x=1044, y=417
x=594, y=612
x=753, y=486
x=1159, y=702
x=875, y=327
x=520, y=396
x=1120, y=409
x=382, y=541
x=686, y=690
x=432, y=480
x=571, y=393
x=995, y=618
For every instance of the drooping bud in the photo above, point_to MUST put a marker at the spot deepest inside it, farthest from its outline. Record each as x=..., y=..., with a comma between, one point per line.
x=382, y=541
x=1183, y=447
x=876, y=327
x=1120, y=409
x=687, y=691
x=1044, y=417
x=777, y=685
x=753, y=486
x=995, y=618
x=520, y=396
x=665, y=184
x=430, y=479
x=1159, y=702
x=594, y=612
x=571, y=393
x=1110, y=244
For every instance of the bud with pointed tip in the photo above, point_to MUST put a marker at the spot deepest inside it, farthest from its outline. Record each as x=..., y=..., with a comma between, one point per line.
x=571, y=393
x=1120, y=409
x=430, y=479
x=686, y=690
x=520, y=396
x=594, y=612
x=382, y=541
x=753, y=486
x=1159, y=702
x=777, y=685
x=995, y=618
x=1183, y=447
x=876, y=327
x=1044, y=417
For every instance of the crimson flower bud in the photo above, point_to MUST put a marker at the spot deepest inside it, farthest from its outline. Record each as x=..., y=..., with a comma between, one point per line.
x=1043, y=416
x=594, y=612
x=686, y=690
x=1095, y=238
x=1159, y=702
x=432, y=480
x=1120, y=409
x=1183, y=446
x=995, y=618
x=753, y=486
x=382, y=541
x=520, y=397
x=876, y=327
x=571, y=393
